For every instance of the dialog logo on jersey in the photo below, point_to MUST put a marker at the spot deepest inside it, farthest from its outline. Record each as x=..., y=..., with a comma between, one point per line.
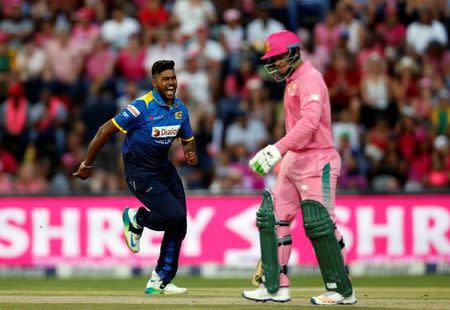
x=165, y=131
x=155, y=118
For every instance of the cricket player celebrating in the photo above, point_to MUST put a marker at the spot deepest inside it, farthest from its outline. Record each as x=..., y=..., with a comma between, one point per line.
x=307, y=178
x=151, y=123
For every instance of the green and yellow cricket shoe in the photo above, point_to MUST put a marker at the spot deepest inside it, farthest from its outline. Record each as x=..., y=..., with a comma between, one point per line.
x=131, y=229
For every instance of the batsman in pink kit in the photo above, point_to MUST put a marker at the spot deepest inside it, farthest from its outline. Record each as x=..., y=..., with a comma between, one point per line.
x=307, y=179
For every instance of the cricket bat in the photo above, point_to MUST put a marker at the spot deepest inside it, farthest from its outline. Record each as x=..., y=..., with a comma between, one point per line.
x=257, y=278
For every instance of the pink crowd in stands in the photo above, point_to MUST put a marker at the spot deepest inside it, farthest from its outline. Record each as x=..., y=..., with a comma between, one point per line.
x=67, y=66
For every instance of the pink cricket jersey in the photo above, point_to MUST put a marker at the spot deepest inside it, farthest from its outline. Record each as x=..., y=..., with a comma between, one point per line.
x=307, y=112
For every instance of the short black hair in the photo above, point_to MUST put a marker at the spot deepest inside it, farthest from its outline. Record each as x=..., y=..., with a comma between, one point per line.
x=162, y=65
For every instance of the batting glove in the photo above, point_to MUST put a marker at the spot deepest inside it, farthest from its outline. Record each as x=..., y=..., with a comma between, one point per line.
x=265, y=159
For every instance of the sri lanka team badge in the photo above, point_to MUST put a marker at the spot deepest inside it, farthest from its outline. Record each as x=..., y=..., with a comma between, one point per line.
x=178, y=115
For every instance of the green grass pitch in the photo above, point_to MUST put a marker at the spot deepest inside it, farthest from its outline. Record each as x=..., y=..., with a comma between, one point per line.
x=424, y=292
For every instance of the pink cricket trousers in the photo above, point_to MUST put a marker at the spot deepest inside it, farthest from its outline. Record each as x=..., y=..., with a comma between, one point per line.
x=310, y=174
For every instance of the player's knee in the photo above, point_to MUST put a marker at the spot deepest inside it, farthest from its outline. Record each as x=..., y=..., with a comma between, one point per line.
x=316, y=220
x=177, y=218
x=177, y=225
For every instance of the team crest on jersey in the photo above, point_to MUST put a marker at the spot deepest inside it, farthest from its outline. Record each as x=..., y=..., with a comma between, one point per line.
x=292, y=89
x=165, y=131
x=133, y=110
x=178, y=115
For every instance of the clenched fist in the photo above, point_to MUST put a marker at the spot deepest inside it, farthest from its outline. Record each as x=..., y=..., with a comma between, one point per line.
x=191, y=158
x=83, y=172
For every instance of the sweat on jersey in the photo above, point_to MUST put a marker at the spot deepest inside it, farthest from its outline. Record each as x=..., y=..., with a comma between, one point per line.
x=151, y=126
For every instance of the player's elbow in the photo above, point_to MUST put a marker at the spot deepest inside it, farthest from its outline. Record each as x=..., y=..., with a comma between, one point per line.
x=310, y=126
x=102, y=130
x=107, y=129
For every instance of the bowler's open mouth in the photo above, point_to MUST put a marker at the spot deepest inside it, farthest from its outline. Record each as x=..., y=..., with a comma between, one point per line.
x=170, y=91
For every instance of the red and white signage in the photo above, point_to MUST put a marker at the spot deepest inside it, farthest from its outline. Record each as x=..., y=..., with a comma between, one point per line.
x=88, y=230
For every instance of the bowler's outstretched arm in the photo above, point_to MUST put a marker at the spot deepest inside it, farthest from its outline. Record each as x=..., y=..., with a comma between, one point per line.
x=96, y=144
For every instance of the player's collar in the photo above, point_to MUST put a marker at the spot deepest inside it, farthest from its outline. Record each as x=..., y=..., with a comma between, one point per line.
x=160, y=101
x=299, y=71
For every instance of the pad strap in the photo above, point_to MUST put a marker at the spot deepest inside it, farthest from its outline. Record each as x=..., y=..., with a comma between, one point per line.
x=286, y=240
x=282, y=223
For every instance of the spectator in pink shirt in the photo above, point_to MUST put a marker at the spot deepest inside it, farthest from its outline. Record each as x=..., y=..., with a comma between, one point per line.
x=439, y=174
x=131, y=58
x=85, y=31
x=65, y=64
x=406, y=138
x=29, y=179
x=8, y=166
x=319, y=55
x=423, y=104
x=343, y=83
x=420, y=165
x=326, y=34
x=6, y=183
x=100, y=66
x=15, y=120
x=392, y=32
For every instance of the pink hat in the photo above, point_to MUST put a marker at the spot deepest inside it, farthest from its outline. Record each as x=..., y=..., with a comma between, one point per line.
x=279, y=43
